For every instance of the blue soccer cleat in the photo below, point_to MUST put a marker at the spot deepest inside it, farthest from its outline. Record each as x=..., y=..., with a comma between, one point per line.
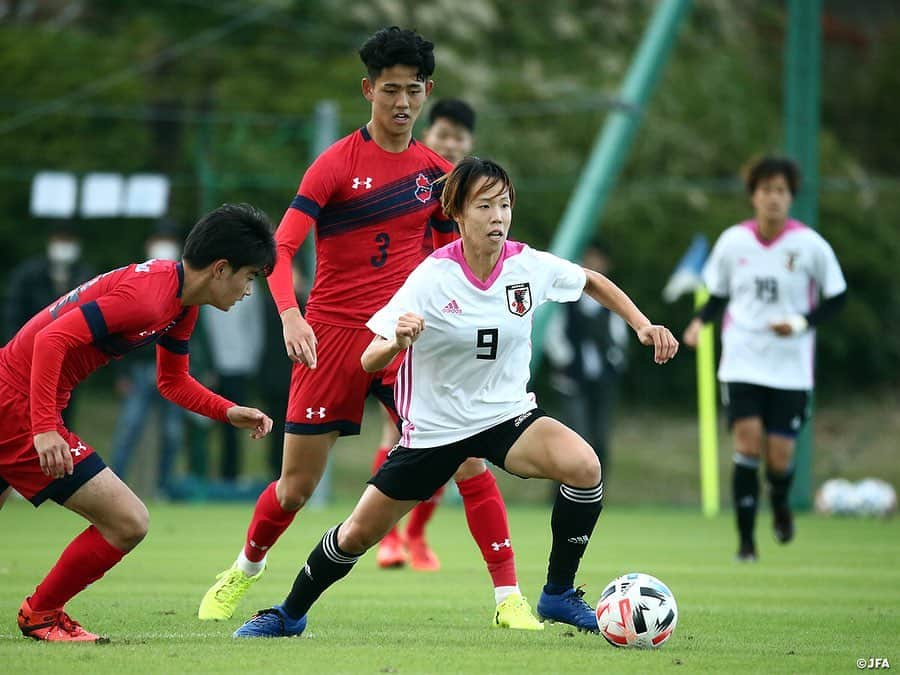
x=568, y=607
x=271, y=623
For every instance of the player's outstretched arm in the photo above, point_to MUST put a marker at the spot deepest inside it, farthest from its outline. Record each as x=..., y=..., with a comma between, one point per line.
x=381, y=352
x=609, y=295
x=257, y=421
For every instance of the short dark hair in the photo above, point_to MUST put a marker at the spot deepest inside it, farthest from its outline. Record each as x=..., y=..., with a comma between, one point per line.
x=397, y=46
x=600, y=245
x=238, y=233
x=769, y=166
x=455, y=110
x=459, y=182
x=166, y=228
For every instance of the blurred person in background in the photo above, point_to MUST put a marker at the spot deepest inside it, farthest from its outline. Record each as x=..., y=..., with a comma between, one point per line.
x=236, y=341
x=451, y=134
x=587, y=346
x=38, y=281
x=275, y=367
x=451, y=129
x=141, y=396
x=776, y=279
x=150, y=303
x=370, y=198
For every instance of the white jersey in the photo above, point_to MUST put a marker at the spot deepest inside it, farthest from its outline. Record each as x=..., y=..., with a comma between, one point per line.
x=766, y=282
x=469, y=369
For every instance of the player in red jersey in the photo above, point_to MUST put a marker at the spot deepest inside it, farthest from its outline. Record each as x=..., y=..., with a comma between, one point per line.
x=115, y=313
x=371, y=197
x=450, y=133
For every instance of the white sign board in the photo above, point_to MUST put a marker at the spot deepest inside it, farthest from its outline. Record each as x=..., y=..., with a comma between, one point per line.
x=101, y=195
x=53, y=194
x=146, y=196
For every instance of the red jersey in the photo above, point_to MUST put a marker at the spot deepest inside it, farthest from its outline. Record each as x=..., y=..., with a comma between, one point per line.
x=103, y=319
x=370, y=208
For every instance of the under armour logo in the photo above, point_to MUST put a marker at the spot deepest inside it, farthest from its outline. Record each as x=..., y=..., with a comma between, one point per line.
x=253, y=544
x=367, y=183
x=583, y=540
x=498, y=545
x=310, y=412
x=77, y=449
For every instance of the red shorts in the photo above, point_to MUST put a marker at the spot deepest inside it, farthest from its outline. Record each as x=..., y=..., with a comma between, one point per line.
x=20, y=465
x=332, y=397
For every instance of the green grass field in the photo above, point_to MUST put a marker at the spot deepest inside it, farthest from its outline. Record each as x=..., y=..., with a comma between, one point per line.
x=817, y=605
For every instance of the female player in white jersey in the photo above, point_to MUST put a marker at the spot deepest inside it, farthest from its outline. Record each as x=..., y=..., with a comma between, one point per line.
x=770, y=272
x=465, y=315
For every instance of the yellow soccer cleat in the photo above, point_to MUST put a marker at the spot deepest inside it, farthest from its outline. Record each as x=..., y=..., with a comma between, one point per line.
x=515, y=613
x=223, y=597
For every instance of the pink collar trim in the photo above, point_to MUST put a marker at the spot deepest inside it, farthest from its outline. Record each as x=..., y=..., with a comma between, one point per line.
x=454, y=252
x=790, y=226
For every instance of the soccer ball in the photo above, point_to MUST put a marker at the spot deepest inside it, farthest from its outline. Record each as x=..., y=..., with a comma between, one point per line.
x=877, y=498
x=868, y=497
x=636, y=610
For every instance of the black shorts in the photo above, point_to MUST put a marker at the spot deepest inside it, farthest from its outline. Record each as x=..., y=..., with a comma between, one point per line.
x=783, y=411
x=417, y=473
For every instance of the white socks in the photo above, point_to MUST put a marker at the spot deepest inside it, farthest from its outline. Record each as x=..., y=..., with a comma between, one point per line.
x=501, y=593
x=248, y=567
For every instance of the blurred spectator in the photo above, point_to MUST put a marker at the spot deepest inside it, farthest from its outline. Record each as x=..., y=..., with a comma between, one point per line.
x=587, y=348
x=451, y=129
x=235, y=341
x=275, y=368
x=38, y=281
x=138, y=386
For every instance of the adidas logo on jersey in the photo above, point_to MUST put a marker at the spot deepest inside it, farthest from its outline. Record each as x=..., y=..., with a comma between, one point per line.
x=452, y=308
x=582, y=540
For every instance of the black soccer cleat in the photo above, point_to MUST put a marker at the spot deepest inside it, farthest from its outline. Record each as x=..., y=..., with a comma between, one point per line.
x=783, y=524
x=747, y=553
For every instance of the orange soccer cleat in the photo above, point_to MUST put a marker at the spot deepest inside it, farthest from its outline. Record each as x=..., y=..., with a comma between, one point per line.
x=390, y=551
x=421, y=557
x=53, y=625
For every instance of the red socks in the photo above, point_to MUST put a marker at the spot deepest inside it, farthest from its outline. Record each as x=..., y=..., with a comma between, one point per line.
x=486, y=515
x=421, y=514
x=268, y=523
x=86, y=559
x=380, y=457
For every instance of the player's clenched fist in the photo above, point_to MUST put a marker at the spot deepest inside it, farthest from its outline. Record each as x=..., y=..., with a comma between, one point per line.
x=55, y=455
x=409, y=327
x=299, y=339
x=257, y=421
x=661, y=339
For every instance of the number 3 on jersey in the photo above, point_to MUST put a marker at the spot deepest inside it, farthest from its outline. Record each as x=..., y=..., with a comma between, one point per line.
x=383, y=241
x=487, y=339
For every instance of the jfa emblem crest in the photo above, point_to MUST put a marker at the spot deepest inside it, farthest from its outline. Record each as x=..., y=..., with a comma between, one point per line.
x=423, y=188
x=518, y=298
x=791, y=260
